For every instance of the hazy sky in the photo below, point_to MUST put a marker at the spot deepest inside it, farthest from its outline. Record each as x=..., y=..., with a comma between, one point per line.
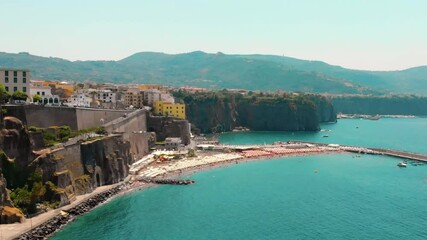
x=360, y=34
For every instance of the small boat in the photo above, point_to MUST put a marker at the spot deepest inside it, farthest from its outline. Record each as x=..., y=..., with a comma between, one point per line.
x=402, y=164
x=325, y=136
x=376, y=117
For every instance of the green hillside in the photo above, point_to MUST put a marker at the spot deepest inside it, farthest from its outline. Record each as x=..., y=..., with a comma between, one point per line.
x=217, y=71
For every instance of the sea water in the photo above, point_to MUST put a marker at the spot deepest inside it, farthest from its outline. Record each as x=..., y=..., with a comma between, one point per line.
x=329, y=196
x=408, y=134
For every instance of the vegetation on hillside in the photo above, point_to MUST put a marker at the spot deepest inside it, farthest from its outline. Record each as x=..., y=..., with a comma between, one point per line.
x=57, y=134
x=217, y=71
x=219, y=111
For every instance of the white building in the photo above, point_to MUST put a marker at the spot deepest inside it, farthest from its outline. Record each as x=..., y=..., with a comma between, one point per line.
x=45, y=92
x=79, y=100
x=51, y=100
x=40, y=90
x=173, y=143
x=106, y=96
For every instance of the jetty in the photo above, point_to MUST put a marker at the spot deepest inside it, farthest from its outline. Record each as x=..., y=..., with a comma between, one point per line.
x=167, y=181
x=402, y=154
x=374, y=151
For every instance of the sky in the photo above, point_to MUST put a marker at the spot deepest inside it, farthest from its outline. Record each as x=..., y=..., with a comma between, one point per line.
x=357, y=34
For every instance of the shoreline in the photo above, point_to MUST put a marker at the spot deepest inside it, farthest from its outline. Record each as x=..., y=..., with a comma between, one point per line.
x=16, y=230
x=48, y=224
x=222, y=164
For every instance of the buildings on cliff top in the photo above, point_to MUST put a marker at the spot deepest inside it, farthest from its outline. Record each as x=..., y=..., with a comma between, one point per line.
x=93, y=95
x=170, y=109
x=15, y=80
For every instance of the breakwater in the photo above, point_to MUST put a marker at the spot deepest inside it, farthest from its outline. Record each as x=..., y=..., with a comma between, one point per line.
x=48, y=228
x=168, y=181
x=374, y=151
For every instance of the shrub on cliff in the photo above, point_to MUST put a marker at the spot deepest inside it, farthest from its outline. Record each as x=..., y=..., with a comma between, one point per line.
x=26, y=199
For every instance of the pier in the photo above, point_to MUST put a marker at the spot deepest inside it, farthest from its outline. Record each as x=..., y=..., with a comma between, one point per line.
x=374, y=151
x=167, y=181
x=402, y=154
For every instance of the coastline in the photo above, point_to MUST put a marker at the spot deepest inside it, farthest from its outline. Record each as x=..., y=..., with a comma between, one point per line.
x=52, y=221
x=15, y=230
x=207, y=167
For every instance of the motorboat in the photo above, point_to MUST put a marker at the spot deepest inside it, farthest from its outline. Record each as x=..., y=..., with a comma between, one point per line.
x=402, y=164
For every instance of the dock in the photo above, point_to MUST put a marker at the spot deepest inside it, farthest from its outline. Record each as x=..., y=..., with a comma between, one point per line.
x=374, y=151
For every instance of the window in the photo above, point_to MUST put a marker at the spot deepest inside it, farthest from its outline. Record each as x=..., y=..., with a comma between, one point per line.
x=24, y=80
x=38, y=93
x=15, y=73
x=15, y=89
x=6, y=79
x=42, y=93
x=24, y=89
x=7, y=88
x=24, y=74
x=6, y=73
x=15, y=79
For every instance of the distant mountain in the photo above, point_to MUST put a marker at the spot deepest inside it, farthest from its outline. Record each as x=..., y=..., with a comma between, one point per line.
x=199, y=69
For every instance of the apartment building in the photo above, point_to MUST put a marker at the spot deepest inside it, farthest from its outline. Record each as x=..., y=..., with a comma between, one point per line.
x=134, y=97
x=15, y=80
x=153, y=95
x=106, y=96
x=170, y=109
x=80, y=99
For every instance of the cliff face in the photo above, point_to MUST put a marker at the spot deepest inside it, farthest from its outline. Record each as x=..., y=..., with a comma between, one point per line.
x=57, y=175
x=216, y=113
x=4, y=195
x=106, y=161
x=15, y=141
x=278, y=116
x=8, y=213
x=394, y=105
x=165, y=127
x=79, y=168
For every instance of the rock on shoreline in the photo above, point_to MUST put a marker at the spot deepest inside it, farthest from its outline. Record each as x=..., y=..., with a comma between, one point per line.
x=56, y=223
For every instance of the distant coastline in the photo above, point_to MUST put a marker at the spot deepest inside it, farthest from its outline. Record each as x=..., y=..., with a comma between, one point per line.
x=373, y=117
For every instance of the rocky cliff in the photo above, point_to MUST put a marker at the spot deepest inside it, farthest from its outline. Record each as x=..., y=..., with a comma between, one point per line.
x=8, y=213
x=53, y=177
x=165, y=126
x=15, y=153
x=223, y=111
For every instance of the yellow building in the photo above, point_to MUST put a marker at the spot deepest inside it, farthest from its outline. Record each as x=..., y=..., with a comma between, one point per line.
x=170, y=109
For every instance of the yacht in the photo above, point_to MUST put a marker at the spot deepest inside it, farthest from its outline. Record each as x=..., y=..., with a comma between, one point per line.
x=402, y=164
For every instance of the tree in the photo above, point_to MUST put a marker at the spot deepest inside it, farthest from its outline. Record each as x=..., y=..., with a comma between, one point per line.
x=191, y=153
x=19, y=95
x=4, y=95
x=37, y=98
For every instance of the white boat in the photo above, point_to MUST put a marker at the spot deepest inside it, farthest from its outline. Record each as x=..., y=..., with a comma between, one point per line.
x=402, y=164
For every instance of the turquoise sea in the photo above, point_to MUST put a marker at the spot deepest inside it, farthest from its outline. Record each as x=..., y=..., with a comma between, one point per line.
x=408, y=134
x=349, y=197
